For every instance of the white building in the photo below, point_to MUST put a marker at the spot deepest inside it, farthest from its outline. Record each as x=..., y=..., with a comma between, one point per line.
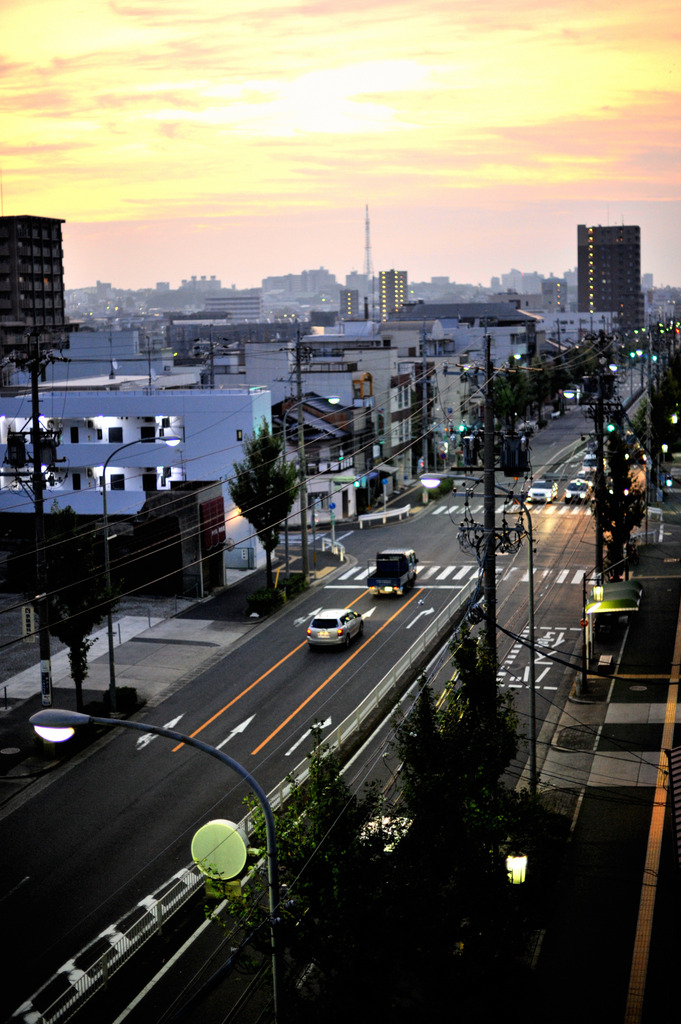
x=237, y=307
x=147, y=478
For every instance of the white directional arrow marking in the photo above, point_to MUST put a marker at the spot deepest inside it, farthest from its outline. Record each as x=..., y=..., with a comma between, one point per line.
x=306, y=618
x=235, y=731
x=147, y=737
x=426, y=611
x=323, y=725
x=367, y=615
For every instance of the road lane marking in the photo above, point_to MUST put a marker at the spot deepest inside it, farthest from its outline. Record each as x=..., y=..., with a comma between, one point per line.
x=147, y=737
x=235, y=732
x=251, y=686
x=311, y=731
x=314, y=693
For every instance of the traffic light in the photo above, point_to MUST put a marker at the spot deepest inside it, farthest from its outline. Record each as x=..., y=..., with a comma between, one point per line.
x=611, y=427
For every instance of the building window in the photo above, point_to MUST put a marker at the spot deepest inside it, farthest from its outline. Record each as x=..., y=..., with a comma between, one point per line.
x=117, y=482
x=74, y=435
x=115, y=435
x=75, y=481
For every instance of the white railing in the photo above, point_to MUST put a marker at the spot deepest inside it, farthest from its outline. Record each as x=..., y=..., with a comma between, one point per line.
x=83, y=978
x=388, y=513
x=335, y=547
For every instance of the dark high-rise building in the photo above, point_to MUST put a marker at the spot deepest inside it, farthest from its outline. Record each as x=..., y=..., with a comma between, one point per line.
x=349, y=304
x=31, y=278
x=609, y=273
x=392, y=291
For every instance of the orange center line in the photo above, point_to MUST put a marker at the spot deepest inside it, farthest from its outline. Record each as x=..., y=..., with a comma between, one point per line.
x=334, y=674
x=249, y=688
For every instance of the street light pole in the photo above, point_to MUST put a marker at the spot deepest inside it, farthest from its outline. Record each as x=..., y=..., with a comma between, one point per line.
x=171, y=442
x=301, y=459
x=57, y=725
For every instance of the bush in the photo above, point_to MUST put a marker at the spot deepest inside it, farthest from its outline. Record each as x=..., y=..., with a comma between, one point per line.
x=295, y=584
x=265, y=600
x=127, y=701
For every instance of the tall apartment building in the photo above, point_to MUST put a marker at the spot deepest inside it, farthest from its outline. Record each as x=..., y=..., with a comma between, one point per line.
x=349, y=304
x=609, y=273
x=392, y=291
x=31, y=277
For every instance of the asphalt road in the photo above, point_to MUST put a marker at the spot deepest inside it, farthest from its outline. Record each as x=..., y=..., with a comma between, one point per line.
x=93, y=839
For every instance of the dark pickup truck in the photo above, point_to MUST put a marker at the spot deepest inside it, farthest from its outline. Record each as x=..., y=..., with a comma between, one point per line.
x=393, y=572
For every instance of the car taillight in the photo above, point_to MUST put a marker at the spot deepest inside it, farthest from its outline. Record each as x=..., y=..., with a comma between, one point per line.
x=340, y=631
x=309, y=631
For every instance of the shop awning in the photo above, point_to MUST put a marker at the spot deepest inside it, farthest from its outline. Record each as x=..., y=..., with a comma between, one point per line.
x=620, y=598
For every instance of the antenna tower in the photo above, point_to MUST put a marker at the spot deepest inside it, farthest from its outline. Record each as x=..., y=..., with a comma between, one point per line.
x=368, y=261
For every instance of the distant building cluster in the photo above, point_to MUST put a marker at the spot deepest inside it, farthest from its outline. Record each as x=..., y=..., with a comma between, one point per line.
x=355, y=366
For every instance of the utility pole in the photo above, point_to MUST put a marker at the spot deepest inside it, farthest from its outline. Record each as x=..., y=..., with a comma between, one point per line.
x=301, y=458
x=424, y=401
x=490, y=583
x=41, y=601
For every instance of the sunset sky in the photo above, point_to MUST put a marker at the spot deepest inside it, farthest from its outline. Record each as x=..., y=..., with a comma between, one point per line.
x=245, y=138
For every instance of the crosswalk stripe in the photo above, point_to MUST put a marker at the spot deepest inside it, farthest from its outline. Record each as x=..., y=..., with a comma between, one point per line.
x=439, y=573
x=349, y=573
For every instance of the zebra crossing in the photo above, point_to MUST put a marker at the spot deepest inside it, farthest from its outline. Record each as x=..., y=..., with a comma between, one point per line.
x=547, y=509
x=454, y=577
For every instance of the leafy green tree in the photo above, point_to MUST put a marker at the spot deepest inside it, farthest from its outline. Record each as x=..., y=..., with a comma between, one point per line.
x=78, y=598
x=539, y=384
x=665, y=407
x=407, y=903
x=510, y=395
x=621, y=506
x=264, y=488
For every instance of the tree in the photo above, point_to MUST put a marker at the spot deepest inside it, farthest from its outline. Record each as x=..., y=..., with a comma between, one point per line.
x=510, y=395
x=406, y=904
x=621, y=507
x=264, y=488
x=77, y=606
x=539, y=385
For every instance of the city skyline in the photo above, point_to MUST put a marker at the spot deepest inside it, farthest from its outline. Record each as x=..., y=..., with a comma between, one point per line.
x=246, y=142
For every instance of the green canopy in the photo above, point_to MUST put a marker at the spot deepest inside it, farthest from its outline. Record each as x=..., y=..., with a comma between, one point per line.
x=620, y=597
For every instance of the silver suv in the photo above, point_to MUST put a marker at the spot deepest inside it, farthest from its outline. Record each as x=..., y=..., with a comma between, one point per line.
x=334, y=627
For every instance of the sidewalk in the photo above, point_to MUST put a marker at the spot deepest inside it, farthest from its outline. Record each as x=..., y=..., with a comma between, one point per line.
x=604, y=768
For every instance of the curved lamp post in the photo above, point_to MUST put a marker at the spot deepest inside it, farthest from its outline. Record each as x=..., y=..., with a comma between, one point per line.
x=57, y=725
x=171, y=442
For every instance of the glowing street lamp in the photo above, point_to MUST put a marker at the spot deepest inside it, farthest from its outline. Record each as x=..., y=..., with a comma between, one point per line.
x=56, y=725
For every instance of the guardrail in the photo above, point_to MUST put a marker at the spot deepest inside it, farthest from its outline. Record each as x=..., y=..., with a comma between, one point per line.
x=89, y=972
x=335, y=547
x=390, y=513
